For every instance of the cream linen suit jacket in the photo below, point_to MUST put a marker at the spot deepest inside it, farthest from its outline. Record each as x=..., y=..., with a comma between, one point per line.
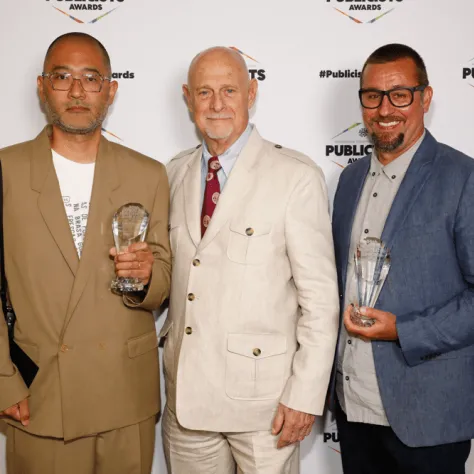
x=254, y=305
x=97, y=354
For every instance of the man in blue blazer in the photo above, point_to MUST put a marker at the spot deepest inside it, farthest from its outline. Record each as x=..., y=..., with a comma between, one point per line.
x=405, y=386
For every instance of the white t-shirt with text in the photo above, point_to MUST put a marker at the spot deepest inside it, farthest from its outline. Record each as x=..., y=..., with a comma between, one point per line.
x=75, y=182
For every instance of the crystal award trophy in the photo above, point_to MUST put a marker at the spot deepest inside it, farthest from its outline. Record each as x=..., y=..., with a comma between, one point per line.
x=371, y=264
x=129, y=225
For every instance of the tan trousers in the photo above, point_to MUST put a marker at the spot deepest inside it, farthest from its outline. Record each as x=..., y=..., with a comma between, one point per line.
x=127, y=450
x=204, y=452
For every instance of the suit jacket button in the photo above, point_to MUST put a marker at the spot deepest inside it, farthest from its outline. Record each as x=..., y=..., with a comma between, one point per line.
x=191, y=297
x=64, y=348
x=188, y=330
x=196, y=262
x=278, y=146
x=256, y=352
x=249, y=231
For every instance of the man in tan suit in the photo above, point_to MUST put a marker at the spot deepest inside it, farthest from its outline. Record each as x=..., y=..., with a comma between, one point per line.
x=253, y=316
x=92, y=406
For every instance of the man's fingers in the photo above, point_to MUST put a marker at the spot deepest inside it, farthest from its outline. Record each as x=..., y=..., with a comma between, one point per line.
x=373, y=313
x=142, y=274
x=287, y=436
x=13, y=412
x=24, y=412
x=133, y=265
x=137, y=246
x=350, y=326
x=142, y=257
x=278, y=421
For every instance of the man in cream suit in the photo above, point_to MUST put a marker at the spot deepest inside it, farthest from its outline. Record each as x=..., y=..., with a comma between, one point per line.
x=253, y=313
x=91, y=408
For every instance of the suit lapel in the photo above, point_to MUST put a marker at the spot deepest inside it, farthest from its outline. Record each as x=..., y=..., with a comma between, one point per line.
x=192, y=196
x=102, y=207
x=50, y=202
x=352, y=193
x=237, y=185
x=411, y=186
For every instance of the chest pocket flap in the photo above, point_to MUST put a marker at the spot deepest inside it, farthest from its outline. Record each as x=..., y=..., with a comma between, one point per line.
x=249, y=242
x=256, y=346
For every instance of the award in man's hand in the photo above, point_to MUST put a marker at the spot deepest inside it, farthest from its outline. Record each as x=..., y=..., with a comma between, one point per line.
x=371, y=264
x=129, y=225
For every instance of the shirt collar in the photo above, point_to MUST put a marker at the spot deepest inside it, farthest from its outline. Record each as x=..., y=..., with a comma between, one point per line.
x=227, y=159
x=397, y=168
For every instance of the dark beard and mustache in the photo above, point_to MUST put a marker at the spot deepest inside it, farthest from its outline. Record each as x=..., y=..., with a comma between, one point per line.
x=385, y=145
x=54, y=118
x=382, y=142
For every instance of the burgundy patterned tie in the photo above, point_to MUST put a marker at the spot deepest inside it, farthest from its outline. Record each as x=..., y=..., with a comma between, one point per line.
x=211, y=194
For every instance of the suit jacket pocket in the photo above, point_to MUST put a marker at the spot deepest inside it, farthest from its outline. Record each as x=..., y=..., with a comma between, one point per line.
x=255, y=366
x=249, y=242
x=142, y=344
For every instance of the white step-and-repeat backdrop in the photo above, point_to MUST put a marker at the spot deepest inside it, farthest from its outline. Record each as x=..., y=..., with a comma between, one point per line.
x=306, y=54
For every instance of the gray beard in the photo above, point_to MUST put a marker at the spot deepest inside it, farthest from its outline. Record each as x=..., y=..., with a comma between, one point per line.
x=214, y=136
x=387, y=146
x=55, y=119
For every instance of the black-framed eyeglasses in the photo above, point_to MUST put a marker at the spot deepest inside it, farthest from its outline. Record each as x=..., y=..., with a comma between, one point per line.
x=398, y=97
x=63, y=81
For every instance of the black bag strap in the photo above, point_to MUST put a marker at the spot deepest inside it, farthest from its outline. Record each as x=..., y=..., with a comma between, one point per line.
x=6, y=307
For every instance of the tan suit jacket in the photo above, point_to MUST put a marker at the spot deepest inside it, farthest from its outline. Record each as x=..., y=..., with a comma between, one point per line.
x=254, y=305
x=97, y=352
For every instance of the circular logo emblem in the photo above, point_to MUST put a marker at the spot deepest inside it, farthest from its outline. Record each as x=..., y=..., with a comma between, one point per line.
x=206, y=220
x=215, y=197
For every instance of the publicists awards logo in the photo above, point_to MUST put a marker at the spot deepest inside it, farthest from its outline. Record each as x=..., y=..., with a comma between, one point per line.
x=85, y=11
x=331, y=437
x=349, y=145
x=364, y=11
x=468, y=72
x=256, y=70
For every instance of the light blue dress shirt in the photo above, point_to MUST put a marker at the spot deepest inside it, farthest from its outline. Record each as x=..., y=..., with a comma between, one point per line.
x=227, y=160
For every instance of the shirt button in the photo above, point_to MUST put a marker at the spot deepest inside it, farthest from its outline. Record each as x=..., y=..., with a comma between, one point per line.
x=188, y=330
x=366, y=231
x=64, y=348
x=347, y=377
x=373, y=174
x=196, y=262
x=191, y=297
x=375, y=195
x=349, y=342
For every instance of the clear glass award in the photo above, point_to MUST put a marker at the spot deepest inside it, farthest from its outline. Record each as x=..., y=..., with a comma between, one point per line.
x=129, y=225
x=371, y=264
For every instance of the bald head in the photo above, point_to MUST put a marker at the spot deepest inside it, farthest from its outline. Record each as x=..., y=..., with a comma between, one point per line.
x=219, y=54
x=219, y=95
x=78, y=37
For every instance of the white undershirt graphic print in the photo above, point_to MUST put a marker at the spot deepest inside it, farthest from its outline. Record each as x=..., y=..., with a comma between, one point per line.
x=75, y=182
